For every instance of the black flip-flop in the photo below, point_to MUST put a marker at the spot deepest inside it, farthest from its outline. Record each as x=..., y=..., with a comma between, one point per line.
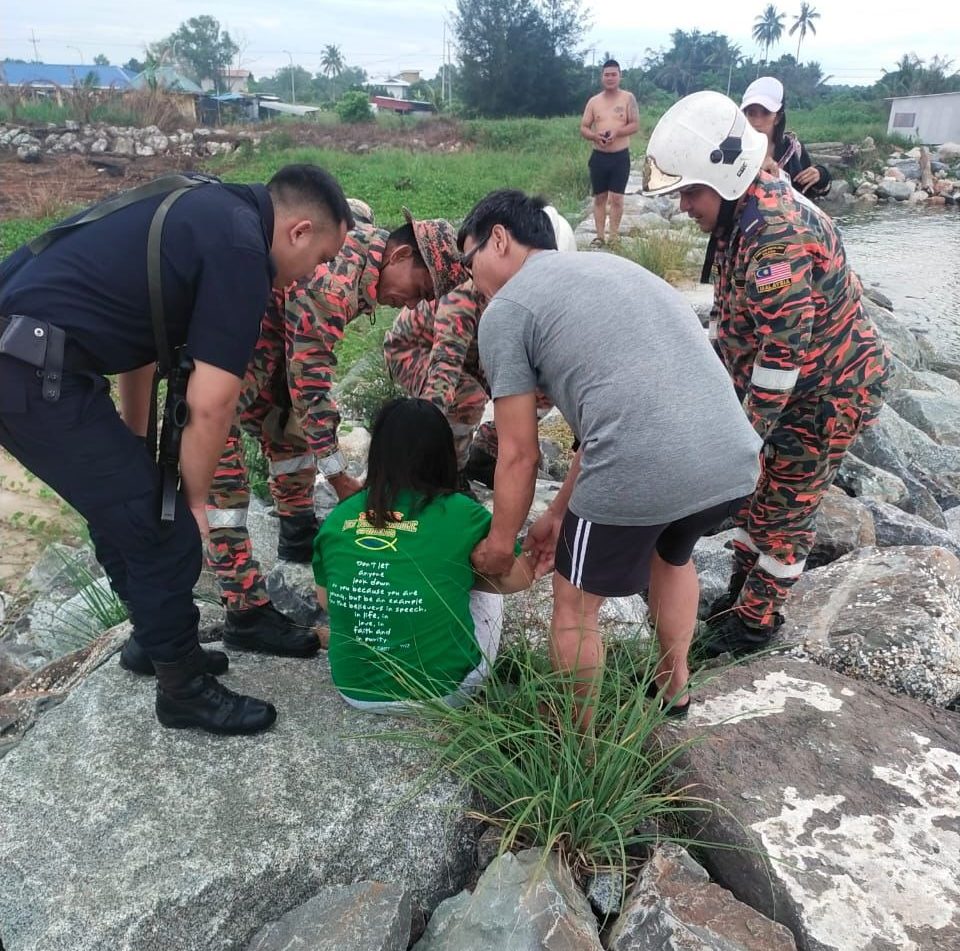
x=667, y=708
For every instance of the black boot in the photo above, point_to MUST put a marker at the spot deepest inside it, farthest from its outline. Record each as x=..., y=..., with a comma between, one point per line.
x=297, y=533
x=729, y=598
x=134, y=658
x=265, y=630
x=730, y=634
x=481, y=466
x=190, y=698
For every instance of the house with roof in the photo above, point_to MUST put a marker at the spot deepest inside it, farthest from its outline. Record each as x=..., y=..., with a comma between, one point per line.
x=54, y=79
x=231, y=81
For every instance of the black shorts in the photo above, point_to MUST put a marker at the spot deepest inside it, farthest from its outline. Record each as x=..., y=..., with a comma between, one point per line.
x=609, y=171
x=613, y=561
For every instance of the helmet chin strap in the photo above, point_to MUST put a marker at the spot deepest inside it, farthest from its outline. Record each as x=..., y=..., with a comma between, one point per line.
x=722, y=230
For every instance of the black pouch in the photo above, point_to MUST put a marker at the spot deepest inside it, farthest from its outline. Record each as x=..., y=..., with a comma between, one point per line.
x=26, y=339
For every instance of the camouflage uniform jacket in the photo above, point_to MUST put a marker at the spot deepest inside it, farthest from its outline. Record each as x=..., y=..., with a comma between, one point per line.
x=786, y=314
x=316, y=311
x=447, y=331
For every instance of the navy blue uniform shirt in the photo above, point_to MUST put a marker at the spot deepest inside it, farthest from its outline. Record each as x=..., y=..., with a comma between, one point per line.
x=216, y=272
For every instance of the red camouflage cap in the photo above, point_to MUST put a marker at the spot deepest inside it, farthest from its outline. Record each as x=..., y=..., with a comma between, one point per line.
x=437, y=241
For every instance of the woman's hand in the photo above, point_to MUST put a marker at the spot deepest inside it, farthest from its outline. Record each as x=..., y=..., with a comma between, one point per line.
x=808, y=178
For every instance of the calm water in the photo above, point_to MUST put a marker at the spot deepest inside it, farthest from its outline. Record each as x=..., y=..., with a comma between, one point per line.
x=913, y=256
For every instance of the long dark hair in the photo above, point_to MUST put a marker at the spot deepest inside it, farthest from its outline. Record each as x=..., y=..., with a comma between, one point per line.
x=780, y=124
x=411, y=450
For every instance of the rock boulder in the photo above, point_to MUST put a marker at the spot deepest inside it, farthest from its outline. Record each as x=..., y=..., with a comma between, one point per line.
x=838, y=805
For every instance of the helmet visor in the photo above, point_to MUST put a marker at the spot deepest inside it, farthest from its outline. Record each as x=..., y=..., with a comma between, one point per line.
x=655, y=179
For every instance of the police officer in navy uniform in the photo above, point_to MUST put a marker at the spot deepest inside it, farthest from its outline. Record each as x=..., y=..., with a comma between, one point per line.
x=76, y=305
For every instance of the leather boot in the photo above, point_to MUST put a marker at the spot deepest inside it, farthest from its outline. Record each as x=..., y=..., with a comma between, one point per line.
x=297, y=533
x=481, y=466
x=134, y=658
x=265, y=630
x=729, y=598
x=190, y=698
x=730, y=634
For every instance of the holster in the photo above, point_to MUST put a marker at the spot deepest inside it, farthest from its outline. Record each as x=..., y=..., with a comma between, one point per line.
x=39, y=344
x=176, y=415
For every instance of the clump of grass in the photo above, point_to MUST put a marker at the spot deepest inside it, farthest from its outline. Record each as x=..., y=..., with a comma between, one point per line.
x=101, y=608
x=599, y=798
x=667, y=253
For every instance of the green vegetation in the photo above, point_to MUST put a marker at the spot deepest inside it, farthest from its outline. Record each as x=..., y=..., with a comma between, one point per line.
x=17, y=231
x=596, y=797
x=666, y=253
x=354, y=107
x=551, y=159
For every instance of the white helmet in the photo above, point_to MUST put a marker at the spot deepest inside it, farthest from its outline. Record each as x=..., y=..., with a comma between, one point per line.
x=703, y=139
x=561, y=229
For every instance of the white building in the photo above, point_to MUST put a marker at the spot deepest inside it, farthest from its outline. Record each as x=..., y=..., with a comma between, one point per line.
x=396, y=87
x=932, y=119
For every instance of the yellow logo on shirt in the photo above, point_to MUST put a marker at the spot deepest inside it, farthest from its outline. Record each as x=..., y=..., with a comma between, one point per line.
x=372, y=538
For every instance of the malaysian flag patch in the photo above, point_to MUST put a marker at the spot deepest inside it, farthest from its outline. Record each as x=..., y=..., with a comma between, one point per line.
x=771, y=277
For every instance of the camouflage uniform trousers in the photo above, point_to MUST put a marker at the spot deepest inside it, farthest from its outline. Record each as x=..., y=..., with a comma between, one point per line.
x=776, y=528
x=292, y=467
x=409, y=369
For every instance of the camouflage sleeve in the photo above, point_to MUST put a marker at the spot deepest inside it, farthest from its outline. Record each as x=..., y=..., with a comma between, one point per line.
x=315, y=315
x=781, y=306
x=455, y=328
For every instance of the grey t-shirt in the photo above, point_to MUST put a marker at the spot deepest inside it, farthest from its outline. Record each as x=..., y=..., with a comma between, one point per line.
x=624, y=358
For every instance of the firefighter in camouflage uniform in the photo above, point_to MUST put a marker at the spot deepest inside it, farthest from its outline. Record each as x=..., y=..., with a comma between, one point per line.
x=431, y=353
x=286, y=404
x=807, y=363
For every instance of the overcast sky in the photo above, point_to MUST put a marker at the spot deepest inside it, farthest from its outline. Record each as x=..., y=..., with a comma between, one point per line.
x=384, y=36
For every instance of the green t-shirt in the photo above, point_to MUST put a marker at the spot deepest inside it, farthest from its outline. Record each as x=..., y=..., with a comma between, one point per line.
x=399, y=597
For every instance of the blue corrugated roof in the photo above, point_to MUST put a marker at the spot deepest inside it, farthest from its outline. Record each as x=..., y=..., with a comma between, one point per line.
x=51, y=74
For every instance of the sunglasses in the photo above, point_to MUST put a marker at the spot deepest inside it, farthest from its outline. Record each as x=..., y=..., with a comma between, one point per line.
x=467, y=259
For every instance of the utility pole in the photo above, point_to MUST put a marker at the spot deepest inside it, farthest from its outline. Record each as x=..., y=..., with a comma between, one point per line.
x=36, y=52
x=729, y=76
x=443, y=68
x=293, y=90
x=79, y=52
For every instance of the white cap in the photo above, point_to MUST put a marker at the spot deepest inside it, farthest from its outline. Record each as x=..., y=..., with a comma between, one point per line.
x=765, y=91
x=561, y=229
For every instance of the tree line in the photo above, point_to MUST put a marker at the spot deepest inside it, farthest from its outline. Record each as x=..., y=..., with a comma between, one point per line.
x=525, y=58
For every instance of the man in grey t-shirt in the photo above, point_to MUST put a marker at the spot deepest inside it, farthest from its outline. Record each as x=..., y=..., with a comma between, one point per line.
x=666, y=451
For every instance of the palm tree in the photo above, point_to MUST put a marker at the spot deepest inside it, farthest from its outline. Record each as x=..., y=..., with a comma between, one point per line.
x=768, y=28
x=332, y=62
x=803, y=22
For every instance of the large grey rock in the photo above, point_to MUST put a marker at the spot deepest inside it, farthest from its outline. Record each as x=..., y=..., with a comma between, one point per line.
x=952, y=518
x=675, y=907
x=895, y=527
x=887, y=615
x=865, y=481
x=60, y=568
x=844, y=524
x=713, y=557
x=896, y=333
x=938, y=383
x=934, y=413
x=523, y=902
x=838, y=805
x=368, y=916
x=898, y=191
x=895, y=445
x=292, y=590
x=118, y=833
x=264, y=530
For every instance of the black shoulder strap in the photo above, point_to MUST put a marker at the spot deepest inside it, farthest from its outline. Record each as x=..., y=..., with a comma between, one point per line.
x=160, y=186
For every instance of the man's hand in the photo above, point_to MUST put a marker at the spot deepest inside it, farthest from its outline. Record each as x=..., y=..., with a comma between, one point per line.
x=541, y=542
x=807, y=178
x=344, y=485
x=491, y=560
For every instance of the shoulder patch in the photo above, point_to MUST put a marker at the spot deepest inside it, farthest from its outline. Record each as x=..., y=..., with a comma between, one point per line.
x=751, y=220
x=772, y=277
x=769, y=251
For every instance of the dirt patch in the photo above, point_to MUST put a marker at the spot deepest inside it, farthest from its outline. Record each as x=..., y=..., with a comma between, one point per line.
x=31, y=517
x=58, y=182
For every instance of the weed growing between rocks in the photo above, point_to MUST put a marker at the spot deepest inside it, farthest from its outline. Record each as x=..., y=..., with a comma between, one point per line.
x=599, y=798
x=99, y=609
x=666, y=253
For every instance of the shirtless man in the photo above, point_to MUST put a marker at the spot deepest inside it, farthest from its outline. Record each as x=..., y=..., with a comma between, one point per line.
x=609, y=120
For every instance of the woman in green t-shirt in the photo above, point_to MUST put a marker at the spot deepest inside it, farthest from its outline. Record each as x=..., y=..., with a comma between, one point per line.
x=409, y=618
